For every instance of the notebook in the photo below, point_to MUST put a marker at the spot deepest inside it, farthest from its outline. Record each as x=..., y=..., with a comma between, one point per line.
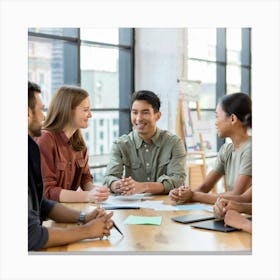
x=192, y=218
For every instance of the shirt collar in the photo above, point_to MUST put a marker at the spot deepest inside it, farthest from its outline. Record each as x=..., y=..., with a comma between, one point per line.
x=139, y=141
x=63, y=137
x=156, y=138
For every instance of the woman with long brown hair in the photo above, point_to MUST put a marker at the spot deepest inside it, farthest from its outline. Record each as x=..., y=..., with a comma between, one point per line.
x=63, y=150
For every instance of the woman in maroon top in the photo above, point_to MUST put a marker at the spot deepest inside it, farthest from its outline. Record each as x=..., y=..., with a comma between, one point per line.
x=63, y=150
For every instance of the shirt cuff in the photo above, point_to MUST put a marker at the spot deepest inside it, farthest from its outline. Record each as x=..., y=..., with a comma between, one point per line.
x=109, y=180
x=167, y=183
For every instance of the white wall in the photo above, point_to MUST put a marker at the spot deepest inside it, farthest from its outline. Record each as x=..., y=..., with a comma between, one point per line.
x=156, y=68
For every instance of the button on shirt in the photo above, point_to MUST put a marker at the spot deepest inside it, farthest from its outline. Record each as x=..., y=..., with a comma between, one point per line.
x=145, y=153
x=162, y=160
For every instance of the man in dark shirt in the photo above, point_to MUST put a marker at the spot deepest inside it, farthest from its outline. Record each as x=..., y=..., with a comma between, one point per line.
x=97, y=223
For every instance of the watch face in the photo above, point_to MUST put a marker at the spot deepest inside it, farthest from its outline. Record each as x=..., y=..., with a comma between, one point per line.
x=82, y=218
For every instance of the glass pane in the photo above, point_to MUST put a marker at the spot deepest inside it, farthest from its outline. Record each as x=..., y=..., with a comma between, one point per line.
x=202, y=43
x=102, y=130
x=98, y=174
x=100, y=76
x=208, y=130
x=51, y=63
x=233, y=79
x=69, y=32
x=234, y=45
x=105, y=35
x=205, y=126
x=206, y=73
x=116, y=36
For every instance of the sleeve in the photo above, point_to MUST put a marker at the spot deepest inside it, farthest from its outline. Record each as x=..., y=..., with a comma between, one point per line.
x=176, y=168
x=37, y=234
x=114, y=169
x=220, y=162
x=47, y=150
x=86, y=175
x=46, y=207
x=246, y=162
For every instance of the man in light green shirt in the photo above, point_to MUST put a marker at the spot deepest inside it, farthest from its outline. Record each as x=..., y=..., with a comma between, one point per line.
x=147, y=159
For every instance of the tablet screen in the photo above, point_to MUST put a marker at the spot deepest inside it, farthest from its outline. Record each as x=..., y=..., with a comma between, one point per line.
x=191, y=218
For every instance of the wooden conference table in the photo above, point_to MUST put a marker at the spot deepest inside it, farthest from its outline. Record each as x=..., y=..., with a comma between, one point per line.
x=168, y=238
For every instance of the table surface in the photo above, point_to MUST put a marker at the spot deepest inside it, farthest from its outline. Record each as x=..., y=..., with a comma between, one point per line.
x=168, y=238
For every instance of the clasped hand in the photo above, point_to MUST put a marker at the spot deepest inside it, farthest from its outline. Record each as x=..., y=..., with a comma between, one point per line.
x=99, y=222
x=222, y=205
x=181, y=194
x=128, y=186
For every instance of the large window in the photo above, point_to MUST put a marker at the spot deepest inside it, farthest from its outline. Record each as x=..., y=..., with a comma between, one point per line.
x=220, y=59
x=102, y=62
x=98, y=60
x=53, y=59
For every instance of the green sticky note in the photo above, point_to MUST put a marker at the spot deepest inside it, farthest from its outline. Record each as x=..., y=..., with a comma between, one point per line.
x=143, y=220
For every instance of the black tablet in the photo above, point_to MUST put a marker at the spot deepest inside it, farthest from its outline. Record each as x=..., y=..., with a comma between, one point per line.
x=191, y=218
x=217, y=225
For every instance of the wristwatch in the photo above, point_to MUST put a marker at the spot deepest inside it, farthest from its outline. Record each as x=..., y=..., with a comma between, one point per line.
x=82, y=218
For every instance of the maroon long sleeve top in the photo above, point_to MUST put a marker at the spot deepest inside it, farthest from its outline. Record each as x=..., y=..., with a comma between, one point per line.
x=62, y=167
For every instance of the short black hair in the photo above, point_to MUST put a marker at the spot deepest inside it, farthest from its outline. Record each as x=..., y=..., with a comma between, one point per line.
x=148, y=96
x=32, y=88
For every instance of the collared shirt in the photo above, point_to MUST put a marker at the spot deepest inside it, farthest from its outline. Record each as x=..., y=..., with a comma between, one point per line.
x=162, y=160
x=62, y=167
x=38, y=206
x=233, y=163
